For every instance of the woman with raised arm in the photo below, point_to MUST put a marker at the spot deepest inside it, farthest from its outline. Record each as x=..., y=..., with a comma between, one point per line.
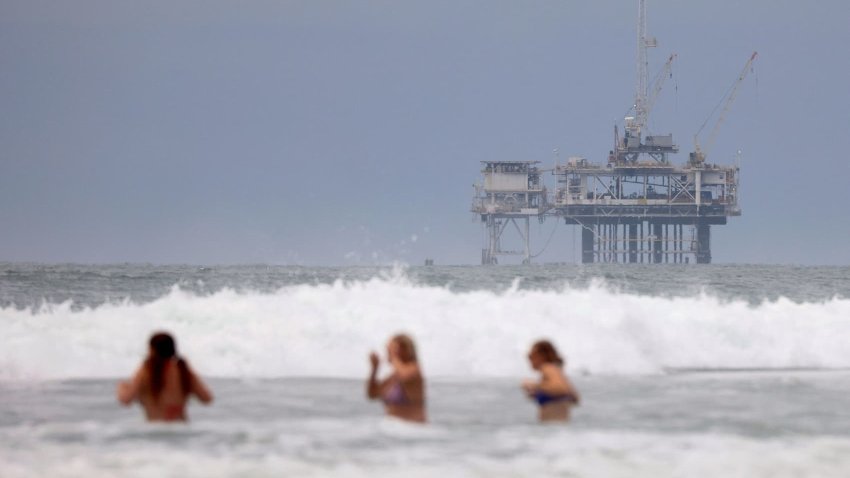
x=164, y=383
x=403, y=392
x=554, y=392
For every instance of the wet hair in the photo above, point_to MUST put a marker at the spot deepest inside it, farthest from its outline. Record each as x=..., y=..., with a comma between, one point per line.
x=547, y=351
x=164, y=349
x=406, y=348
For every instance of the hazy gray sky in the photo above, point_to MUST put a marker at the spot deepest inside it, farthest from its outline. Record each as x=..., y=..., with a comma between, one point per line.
x=318, y=132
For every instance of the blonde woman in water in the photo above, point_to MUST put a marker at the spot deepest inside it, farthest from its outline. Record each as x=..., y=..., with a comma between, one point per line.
x=554, y=392
x=403, y=391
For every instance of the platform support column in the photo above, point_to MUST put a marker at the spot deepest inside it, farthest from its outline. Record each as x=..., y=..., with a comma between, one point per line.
x=703, y=243
x=488, y=255
x=656, y=243
x=527, y=239
x=642, y=245
x=586, y=245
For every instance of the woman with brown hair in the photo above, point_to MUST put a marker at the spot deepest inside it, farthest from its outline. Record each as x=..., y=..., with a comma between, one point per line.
x=163, y=383
x=403, y=392
x=554, y=392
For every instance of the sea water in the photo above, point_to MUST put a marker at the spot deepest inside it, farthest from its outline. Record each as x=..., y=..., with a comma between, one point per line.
x=684, y=370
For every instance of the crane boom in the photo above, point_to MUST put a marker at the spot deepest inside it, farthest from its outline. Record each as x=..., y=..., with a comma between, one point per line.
x=699, y=153
x=659, y=83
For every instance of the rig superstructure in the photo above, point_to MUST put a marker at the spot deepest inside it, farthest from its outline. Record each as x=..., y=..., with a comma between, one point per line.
x=636, y=208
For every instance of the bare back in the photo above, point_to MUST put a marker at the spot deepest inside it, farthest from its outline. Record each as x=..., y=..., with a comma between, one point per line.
x=170, y=404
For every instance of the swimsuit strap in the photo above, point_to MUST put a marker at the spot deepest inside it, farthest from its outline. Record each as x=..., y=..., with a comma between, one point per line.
x=543, y=398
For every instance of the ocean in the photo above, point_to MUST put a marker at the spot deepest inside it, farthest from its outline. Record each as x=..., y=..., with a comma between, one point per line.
x=684, y=370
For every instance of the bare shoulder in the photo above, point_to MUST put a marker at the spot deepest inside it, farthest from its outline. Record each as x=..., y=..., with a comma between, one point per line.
x=140, y=377
x=550, y=370
x=131, y=389
x=408, y=371
x=198, y=387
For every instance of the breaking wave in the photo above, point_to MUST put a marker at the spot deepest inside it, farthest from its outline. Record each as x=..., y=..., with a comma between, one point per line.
x=327, y=330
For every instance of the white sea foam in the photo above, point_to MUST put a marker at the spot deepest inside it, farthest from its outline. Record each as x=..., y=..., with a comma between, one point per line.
x=505, y=453
x=326, y=330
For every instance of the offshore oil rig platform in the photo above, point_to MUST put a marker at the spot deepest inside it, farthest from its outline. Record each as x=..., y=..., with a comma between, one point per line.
x=637, y=207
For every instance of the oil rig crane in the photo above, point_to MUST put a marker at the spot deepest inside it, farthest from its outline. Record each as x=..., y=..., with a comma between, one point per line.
x=666, y=71
x=699, y=154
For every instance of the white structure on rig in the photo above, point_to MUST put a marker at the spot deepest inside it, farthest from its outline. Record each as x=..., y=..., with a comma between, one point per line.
x=512, y=191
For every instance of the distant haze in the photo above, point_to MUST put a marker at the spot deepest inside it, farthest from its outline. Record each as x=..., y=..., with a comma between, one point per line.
x=322, y=133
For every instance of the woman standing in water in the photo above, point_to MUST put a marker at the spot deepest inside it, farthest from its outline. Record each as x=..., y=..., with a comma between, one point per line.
x=163, y=383
x=403, y=392
x=554, y=392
